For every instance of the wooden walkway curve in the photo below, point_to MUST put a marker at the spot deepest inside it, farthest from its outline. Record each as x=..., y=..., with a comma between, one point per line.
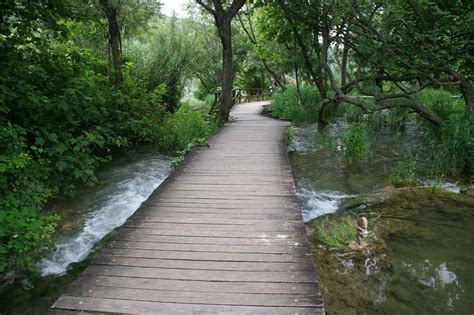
x=223, y=234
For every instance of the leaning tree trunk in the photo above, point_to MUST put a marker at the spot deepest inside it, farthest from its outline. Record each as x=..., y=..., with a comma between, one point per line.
x=114, y=41
x=227, y=76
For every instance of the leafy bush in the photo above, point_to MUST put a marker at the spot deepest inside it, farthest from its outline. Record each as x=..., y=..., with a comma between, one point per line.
x=405, y=172
x=285, y=104
x=356, y=141
x=182, y=128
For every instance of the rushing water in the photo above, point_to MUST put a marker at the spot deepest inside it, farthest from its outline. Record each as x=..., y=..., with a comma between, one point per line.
x=93, y=213
x=423, y=263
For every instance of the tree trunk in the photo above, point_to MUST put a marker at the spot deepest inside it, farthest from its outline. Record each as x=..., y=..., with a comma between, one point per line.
x=298, y=90
x=114, y=41
x=467, y=91
x=225, y=34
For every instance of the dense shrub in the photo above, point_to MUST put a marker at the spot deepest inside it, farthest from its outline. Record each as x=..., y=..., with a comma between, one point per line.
x=182, y=128
x=285, y=104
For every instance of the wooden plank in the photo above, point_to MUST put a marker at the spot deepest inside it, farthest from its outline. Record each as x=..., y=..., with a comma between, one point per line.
x=126, y=234
x=209, y=298
x=271, y=226
x=226, y=234
x=155, y=254
x=201, y=275
x=199, y=286
x=146, y=307
x=271, y=249
x=187, y=215
x=201, y=265
x=285, y=208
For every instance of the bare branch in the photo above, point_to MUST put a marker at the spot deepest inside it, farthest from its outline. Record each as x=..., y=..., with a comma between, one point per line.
x=208, y=8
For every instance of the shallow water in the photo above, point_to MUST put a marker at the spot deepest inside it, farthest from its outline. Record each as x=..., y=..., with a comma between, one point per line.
x=323, y=177
x=425, y=266
x=88, y=217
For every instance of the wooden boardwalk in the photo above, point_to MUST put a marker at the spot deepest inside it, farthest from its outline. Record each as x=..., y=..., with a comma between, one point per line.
x=223, y=234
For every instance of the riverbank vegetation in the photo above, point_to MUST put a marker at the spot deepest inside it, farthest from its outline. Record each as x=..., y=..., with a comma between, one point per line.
x=82, y=79
x=376, y=65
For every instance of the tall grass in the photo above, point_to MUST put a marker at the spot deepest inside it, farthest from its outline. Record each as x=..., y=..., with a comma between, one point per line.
x=452, y=143
x=336, y=233
x=405, y=172
x=285, y=104
x=356, y=141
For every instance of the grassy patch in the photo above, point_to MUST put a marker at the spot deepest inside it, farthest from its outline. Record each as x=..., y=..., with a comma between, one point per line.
x=405, y=172
x=335, y=232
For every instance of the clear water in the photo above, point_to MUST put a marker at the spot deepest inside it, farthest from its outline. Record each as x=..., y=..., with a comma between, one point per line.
x=323, y=177
x=426, y=265
x=93, y=213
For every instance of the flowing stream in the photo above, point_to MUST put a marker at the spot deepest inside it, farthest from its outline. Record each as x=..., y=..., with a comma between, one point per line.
x=425, y=263
x=88, y=217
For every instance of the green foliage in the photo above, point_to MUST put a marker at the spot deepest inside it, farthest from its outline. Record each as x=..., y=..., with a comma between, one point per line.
x=285, y=104
x=405, y=172
x=336, y=233
x=290, y=135
x=441, y=102
x=182, y=153
x=60, y=117
x=356, y=141
x=452, y=146
x=182, y=128
x=161, y=57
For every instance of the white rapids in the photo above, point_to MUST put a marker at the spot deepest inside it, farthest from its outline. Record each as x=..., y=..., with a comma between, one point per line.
x=107, y=206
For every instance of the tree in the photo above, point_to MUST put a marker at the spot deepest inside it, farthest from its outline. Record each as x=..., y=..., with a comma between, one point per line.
x=223, y=18
x=115, y=42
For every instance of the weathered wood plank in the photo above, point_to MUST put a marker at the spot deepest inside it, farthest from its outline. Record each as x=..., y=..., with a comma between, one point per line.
x=201, y=265
x=199, y=286
x=201, y=275
x=212, y=233
x=271, y=249
x=146, y=307
x=133, y=235
x=209, y=298
x=271, y=226
x=188, y=215
x=139, y=253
